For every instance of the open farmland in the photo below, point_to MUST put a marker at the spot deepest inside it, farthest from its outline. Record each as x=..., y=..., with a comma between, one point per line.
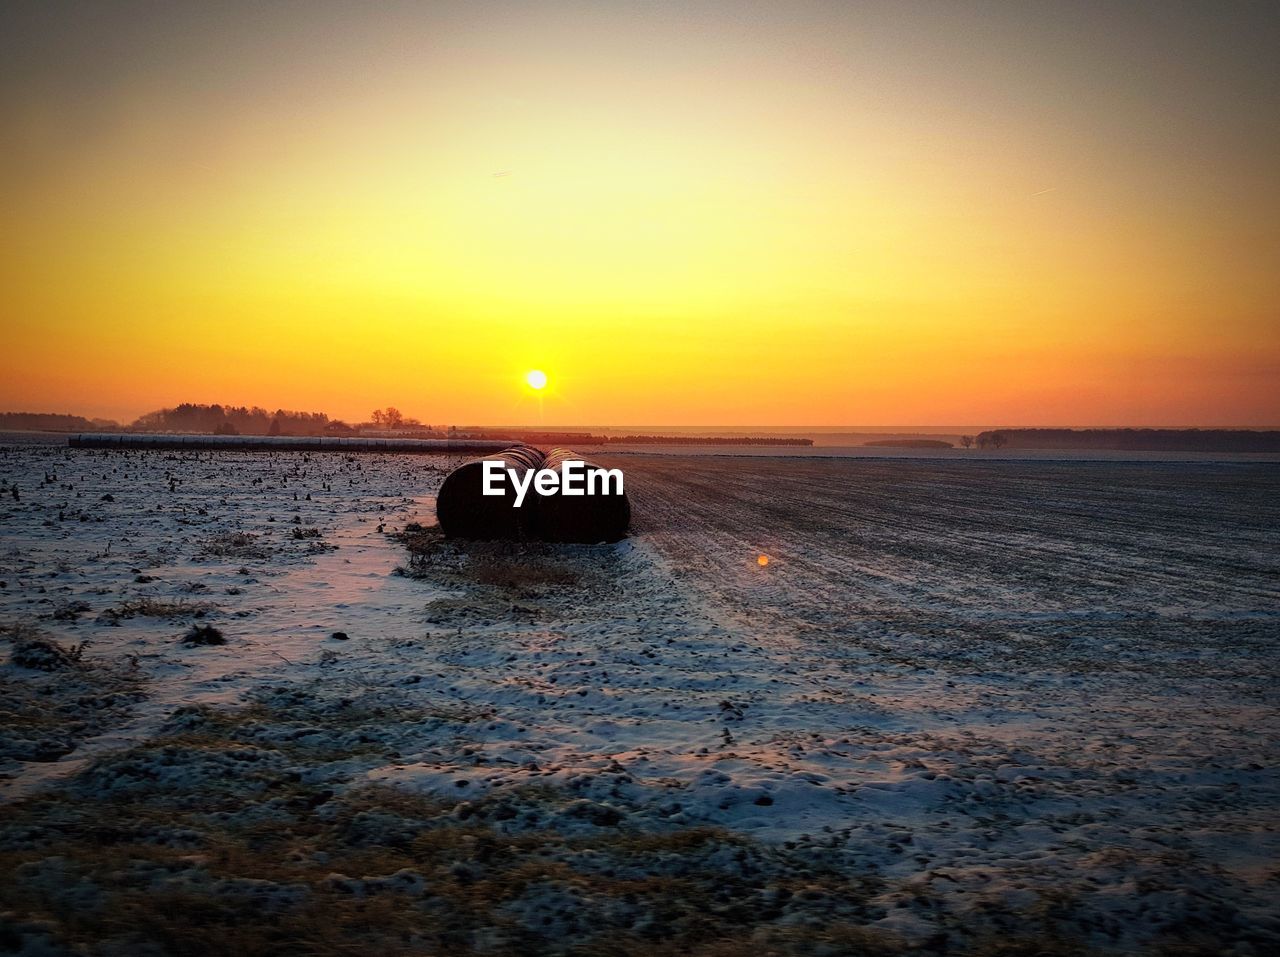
x=967, y=706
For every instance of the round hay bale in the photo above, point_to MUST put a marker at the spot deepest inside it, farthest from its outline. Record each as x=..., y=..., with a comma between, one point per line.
x=464, y=511
x=584, y=519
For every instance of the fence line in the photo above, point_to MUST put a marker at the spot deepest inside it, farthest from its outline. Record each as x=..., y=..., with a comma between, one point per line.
x=289, y=443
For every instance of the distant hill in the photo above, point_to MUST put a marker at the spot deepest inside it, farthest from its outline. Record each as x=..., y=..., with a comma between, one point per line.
x=52, y=422
x=1135, y=440
x=910, y=444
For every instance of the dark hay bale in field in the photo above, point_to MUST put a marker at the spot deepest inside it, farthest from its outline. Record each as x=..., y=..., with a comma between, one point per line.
x=464, y=511
x=585, y=519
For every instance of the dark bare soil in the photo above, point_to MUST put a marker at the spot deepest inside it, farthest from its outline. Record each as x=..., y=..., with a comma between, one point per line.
x=967, y=707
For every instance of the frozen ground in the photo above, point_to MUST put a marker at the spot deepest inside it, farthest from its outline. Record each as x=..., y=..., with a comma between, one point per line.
x=967, y=706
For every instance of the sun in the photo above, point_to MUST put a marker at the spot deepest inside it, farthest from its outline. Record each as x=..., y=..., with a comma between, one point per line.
x=536, y=378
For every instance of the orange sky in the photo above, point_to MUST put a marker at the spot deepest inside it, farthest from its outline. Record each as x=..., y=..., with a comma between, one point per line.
x=685, y=213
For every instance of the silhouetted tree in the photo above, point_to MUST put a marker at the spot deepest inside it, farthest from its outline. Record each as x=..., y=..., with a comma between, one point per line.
x=999, y=439
x=966, y=441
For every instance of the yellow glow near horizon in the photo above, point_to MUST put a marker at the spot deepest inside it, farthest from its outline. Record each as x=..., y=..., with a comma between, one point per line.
x=411, y=205
x=536, y=378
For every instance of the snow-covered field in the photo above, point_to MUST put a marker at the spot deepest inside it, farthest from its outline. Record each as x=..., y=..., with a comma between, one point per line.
x=967, y=706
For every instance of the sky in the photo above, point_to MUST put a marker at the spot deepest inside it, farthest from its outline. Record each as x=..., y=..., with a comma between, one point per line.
x=684, y=213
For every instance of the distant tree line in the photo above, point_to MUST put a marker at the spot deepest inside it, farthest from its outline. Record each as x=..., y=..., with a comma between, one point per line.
x=1135, y=440
x=53, y=422
x=231, y=420
x=218, y=419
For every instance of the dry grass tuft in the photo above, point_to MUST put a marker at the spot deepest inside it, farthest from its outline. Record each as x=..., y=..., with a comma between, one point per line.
x=234, y=545
x=35, y=650
x=155, y=608
x=51, y=697
x=507, y=567
x=204, y=635
x=521, y=574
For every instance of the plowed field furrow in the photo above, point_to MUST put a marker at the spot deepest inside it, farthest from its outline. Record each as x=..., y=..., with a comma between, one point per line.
x=973, y=558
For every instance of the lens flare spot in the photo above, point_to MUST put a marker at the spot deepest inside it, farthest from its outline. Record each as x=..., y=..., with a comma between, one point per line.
x=762, y=560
